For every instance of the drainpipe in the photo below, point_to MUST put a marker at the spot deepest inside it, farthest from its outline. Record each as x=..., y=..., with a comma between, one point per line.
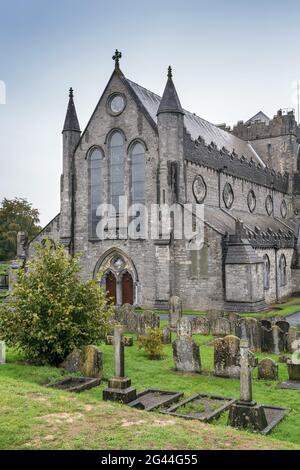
x=276, y=275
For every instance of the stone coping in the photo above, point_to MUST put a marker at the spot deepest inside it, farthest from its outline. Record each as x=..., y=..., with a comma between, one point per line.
x=152, y=399
x=225, y=403
x=75, y=384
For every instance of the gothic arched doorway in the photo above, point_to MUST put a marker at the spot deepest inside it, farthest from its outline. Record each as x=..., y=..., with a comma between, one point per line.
x=120, y=277
x=111, y=287
x=127, y=288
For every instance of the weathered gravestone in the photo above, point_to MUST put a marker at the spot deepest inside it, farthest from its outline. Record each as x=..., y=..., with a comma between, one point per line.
x=291, y=338
x=227, y=357
x=273, y=340
x=246, y=414
x=119, y=387
x=201, y=325
x=186, y=353
x=279, y=339
x=250, y=329
x=125, y=315
x=175, y=311
x=147, y=319
x=2, y=352
x=233, y=317
x=87, y=360
x=267, y=370
x=284, y=326
x=221, y=326
x=166, y=339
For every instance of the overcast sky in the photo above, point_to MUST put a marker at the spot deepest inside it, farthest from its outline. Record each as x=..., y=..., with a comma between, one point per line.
x=230, y=59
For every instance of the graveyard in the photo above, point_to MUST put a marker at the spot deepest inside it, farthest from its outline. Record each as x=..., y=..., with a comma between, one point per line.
x=34, y=416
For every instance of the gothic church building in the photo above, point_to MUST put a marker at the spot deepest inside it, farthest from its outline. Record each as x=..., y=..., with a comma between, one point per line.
x=150, y=149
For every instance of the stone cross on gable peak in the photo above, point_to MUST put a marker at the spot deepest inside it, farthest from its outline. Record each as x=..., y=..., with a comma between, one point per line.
x=116, y=57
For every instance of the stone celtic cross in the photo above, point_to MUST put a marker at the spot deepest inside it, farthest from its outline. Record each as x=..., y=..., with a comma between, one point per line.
x=116, y=57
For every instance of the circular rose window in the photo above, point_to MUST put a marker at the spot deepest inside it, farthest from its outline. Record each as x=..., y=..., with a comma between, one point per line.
x=116, y=103
x=251, y=199
x=269, y=204
x=283, y=209
x=228, y=196
x=199, y=189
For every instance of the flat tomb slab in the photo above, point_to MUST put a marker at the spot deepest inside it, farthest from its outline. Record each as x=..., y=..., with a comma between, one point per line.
x=75, y=384
x=151, y=399
x=274, y=414
x=202, y=407
x=290, y=385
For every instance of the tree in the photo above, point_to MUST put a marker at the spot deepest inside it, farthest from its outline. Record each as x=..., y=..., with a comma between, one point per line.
x=16, y=215
x=54, y=312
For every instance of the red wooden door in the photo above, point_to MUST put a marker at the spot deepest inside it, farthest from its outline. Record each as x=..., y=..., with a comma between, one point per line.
x=111, y=287
x=127, y=289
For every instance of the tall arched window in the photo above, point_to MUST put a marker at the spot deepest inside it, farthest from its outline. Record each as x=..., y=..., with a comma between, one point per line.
x=266, y=272
x=95, y=163
x=116, y=169
x=138, y=173
x=282, y=270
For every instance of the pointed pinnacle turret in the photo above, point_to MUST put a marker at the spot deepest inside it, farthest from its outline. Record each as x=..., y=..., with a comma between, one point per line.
x=71, y=121
x=170, y=102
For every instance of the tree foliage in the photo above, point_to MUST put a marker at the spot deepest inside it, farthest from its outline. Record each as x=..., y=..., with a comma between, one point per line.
x=152, y=343
x=53, y=311
x=16, y=215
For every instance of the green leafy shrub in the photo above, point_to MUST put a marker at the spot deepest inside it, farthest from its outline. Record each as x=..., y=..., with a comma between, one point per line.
x=53, y=311
x=152, y=343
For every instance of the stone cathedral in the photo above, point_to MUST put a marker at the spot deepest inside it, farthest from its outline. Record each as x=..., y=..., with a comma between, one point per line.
x=151, y=150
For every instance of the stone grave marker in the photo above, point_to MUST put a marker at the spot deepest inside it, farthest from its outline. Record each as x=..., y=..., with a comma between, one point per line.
x=186, y=353
x=267, y=370
x=119, y=387
x=291, y=338
x=201, y=325
x=175, y=311
x=227, y=357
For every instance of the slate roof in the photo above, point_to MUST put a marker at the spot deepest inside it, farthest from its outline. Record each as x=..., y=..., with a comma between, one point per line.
x=263, y=230
x=197, y=126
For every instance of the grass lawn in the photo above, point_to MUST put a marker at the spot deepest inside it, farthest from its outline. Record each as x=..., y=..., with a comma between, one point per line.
x=35, y=417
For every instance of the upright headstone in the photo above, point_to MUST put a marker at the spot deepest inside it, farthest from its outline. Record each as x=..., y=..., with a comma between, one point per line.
x=267, y=370
x=233, y=317
x=2, y=352
x=186, y=353
x=119, y=387
x=166, y=335
x=279, y=340
x=227, y=357
x=284, y=326
x=291, y=338
x=147, y=319
x=201, y=325
x=246, y=414
x=250, y=329
x=221, y=326
x=175, y=311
